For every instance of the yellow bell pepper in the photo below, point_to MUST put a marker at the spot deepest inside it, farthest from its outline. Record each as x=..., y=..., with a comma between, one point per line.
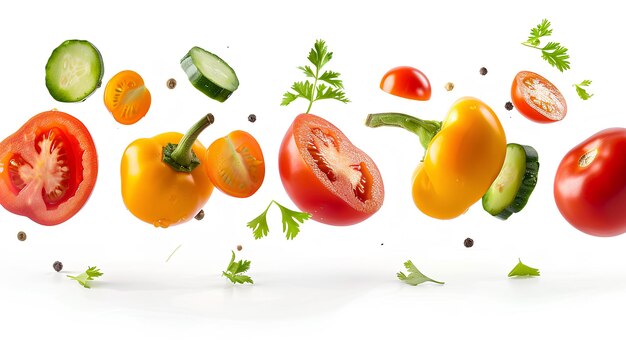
x=164, y=183
x=464, y=155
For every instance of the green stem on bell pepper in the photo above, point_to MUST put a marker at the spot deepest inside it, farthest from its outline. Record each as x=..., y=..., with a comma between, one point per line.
x=180, y=156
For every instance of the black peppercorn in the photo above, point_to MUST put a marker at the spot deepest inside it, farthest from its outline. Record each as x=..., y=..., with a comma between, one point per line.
x=508, y=106
x=171, y=83
x=199, y=215
x=58, y=266
x=239, y=247
x=252, y=118
x=468, y=242
x=21, y=236
x=483, y=71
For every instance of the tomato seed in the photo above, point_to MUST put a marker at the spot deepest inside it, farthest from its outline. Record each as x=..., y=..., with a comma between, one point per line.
x=468, y=242
x=449, y=86
x=21, y=236
x=171, y=83
x=58, y=266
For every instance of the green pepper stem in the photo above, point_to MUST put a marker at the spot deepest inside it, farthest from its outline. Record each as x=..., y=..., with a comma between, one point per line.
x=181, y=156
x=425, y=130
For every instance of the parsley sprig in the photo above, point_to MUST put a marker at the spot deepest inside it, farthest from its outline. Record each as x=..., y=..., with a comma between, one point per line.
x=332, y=88
x=291, y=220
x=523, y=270
x=235, y=271
x=553, y=52
x=415, y=277
x=582, y=93
x=84, y=278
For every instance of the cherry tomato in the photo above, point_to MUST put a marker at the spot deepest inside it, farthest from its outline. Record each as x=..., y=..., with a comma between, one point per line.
x=48, y=168
x=126, y=97
x=537, y=99
x=326, y=175
x=590, y=184
x=236, y=165
x=406, y=82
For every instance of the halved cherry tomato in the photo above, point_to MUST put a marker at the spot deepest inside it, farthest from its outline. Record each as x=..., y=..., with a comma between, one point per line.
x=326, y=175
x=48, y=168
x=406, y=82
x=590, y=184
x=235, y=164
x=127, y=97
x=537, y=99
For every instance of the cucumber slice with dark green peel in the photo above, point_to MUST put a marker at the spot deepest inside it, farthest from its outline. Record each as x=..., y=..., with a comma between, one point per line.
x=509, y=193
x=209, y=74
x=74, y=71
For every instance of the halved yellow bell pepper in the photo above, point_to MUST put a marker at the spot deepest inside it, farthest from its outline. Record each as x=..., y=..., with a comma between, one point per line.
x=464, y=155
x=164, y=181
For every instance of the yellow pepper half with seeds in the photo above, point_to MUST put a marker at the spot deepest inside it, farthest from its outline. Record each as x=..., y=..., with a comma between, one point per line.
x=464, y=155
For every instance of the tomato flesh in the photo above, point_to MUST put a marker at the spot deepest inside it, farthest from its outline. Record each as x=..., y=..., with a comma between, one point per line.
x=127, y=97
x=590, y=184
x=326, y=175
x=537, y=99
x=236, y=165
x=406, y=82
x=51, y=167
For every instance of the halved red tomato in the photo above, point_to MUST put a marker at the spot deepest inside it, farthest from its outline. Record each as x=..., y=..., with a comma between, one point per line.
x=127, y=97
x=406, y=82
x=235, y=164
x=326, y=175
x=48, y=168
x=537, y=99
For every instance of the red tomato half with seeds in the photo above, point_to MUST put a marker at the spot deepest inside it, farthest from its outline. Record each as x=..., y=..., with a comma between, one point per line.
x=590, y=184
x=537, y=99
x=326, y=175
x=48, y=168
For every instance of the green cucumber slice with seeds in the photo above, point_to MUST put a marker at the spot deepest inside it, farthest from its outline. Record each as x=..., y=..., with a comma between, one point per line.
x=509, y=193
x=209, y=74
x=74, y=71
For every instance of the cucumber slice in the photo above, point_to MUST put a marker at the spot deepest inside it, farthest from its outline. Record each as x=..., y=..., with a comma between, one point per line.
x=74, y=71
x=509, y=193
x=209, y=74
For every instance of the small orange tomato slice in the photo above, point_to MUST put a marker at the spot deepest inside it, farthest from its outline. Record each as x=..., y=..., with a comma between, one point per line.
x=235, y=164
x=126, y=97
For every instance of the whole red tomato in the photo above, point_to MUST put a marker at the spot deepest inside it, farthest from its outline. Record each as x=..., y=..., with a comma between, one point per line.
x=590, y=184
x=326, y=175
x=406, y=82
x=48, y=168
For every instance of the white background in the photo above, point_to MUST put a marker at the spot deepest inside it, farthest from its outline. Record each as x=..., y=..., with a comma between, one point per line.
x=332, y=291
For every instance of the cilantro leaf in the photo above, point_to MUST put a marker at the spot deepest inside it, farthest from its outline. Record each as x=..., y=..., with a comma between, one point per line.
x=582, y=93
x=234, y=271
x=522, y=270
x=291, y=222
x=553, y=52
x=415, y=277
x=556, y=55
x=84, y=278
x=319, y=56
x=543, y=29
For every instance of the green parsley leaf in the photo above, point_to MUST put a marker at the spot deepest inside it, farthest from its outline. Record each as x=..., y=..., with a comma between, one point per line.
x=291, y=222
x=543, y=29
x=319, y=56
x=582, y=93
x=553, y=52
x=234, y=271
x=84, y=278
x=415, y=277
x=522, y=270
